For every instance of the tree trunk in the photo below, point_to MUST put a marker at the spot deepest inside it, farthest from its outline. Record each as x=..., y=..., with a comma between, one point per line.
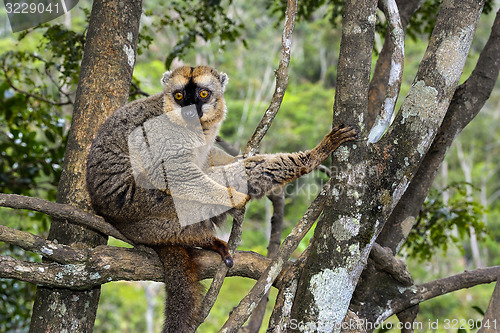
x=324, y=291
x=372, y=178
x=106, y=73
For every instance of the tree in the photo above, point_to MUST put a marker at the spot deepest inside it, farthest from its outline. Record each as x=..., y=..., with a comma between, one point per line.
x=109, y=54
x=364, y=212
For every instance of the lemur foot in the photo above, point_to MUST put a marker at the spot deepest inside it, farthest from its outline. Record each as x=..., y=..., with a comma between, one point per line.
x=337, y=136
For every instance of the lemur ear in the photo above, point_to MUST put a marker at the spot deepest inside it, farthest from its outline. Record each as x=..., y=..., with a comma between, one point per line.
x=166, y=76
x=223, y=78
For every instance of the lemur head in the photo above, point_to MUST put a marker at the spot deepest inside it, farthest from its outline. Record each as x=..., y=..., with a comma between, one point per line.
x=195, y=93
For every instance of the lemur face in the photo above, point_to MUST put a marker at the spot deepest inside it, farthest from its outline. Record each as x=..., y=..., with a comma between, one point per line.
x=195, y=93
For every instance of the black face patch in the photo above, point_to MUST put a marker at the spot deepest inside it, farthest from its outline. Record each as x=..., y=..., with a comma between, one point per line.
x=191, y=96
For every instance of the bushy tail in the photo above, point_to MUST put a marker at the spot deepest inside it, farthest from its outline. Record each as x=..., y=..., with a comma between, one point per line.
x=184, y=292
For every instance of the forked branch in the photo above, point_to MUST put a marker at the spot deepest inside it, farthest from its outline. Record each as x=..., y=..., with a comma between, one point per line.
x=420, y=293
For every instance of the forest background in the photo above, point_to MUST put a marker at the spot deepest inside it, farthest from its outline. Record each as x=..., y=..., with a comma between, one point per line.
x=39, y=73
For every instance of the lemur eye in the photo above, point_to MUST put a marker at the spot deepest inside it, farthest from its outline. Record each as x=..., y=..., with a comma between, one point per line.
x=178, y=95
x=204, y=93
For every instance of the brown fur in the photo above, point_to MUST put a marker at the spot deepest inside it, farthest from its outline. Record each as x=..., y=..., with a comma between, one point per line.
x=148, y=216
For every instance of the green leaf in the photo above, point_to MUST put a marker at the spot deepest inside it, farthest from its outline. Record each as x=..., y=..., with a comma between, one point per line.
x=478, y=310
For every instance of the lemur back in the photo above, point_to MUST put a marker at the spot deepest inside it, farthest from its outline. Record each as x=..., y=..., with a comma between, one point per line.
x=154, y=160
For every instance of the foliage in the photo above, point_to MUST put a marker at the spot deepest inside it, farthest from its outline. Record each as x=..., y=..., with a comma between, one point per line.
x=31, y=145
x=424, y=19
x=307, y=10
x=420, y=25
x=207, y=19
x=440, y=224
x=33, y=134
x=35, y=84
x=15, y=305
x=51, y=68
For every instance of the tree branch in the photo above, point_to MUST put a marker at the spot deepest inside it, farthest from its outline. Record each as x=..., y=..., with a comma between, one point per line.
x=341, y=235
x=374, y=177
x=62, y=211
x=278, y=201
x=108, y=263
x=213, y=291
x=467, y=101
x=420, y=293
x=64, y=254
x=60, y=253
x=281, y=81
x=280, y=316
x=395, y=45
x=385, y=260
x=281, y=312
x=380, y=81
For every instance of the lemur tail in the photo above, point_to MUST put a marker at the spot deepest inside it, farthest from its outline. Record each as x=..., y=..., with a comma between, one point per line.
x=184, y=291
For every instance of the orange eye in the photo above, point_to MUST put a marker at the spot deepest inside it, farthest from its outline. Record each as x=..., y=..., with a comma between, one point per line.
x=204, y=93
x=178, y=95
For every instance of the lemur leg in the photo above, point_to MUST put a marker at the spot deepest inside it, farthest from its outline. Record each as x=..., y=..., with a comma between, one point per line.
x=265, y=172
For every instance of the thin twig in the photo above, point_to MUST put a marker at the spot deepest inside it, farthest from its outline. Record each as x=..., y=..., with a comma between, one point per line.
x=241, y=313
x=213, y=291
x=137, y=90
x=60, y=87
x=281, y=81
x=278, y=201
